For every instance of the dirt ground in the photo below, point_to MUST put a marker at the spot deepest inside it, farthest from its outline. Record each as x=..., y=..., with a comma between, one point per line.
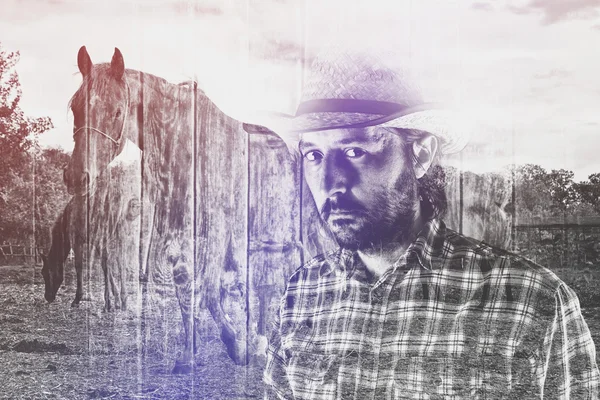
x=54, y=351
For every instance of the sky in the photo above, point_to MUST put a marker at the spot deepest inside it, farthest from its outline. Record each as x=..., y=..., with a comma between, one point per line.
x=524, y=72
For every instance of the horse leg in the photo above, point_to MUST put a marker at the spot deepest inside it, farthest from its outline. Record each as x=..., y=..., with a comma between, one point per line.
x=184, y=288
x=114, y=286
x=79, y=291
x=146, y=227
x=123, y=296
x=107, y=282
x=78, y=253
x=123, y=282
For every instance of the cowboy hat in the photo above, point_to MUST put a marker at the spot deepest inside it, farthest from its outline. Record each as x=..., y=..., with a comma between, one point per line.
x=344, y=89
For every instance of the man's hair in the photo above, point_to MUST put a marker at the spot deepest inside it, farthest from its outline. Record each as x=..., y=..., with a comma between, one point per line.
x=431, y=187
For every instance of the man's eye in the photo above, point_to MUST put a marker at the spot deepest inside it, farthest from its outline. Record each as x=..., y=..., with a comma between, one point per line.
x=354, y=152
x=313, y=155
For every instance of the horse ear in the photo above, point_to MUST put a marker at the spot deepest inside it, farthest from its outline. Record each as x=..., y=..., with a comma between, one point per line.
x=117, y=65
x=84, y=62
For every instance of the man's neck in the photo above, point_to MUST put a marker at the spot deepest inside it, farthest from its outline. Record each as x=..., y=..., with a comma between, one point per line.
x=378, y=259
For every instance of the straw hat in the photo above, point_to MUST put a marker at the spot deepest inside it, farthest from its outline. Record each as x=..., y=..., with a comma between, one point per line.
x=345, y=89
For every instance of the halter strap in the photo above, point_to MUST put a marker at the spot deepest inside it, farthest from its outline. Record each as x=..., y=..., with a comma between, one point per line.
x=117, y=142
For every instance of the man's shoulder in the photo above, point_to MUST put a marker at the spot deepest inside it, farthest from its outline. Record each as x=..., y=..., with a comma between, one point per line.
x=491, y=260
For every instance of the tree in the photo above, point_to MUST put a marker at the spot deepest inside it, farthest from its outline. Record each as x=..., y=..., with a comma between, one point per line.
x=18, y=136
x=539, y=193
x=17, y=132
x=561, y=185
x=532, y=194
x=51, y=196
x=589, y=191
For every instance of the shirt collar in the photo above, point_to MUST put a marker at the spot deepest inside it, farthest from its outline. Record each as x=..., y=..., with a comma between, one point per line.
x=428, y=247
x=426, y=250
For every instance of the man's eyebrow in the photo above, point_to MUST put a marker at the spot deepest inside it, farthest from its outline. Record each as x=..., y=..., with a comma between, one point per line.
x=358, y=140
x=304, y=143
x=344, y=141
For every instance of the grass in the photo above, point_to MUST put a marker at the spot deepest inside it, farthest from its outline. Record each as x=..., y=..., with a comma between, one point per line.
x=53, y=351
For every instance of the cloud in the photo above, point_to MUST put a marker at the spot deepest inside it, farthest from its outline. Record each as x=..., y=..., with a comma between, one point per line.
x=21, y=11
x=555, y=73
x=554, y=11
x=280, y=51
x=482, y=6
x=197, y=9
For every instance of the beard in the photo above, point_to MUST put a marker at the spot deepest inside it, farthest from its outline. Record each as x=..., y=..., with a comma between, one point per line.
x=388, y=219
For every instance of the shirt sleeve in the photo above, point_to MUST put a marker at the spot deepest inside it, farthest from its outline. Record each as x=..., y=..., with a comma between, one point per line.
x=571, y=372
x=277, y=385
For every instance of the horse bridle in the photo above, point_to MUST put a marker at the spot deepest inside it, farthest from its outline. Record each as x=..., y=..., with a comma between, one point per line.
x=117, y=141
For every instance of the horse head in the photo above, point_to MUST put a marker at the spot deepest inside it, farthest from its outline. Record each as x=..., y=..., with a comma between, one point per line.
x=104, y=117
x=53, y=262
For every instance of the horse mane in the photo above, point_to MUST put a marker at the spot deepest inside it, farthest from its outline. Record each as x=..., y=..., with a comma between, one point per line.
x=97, y=83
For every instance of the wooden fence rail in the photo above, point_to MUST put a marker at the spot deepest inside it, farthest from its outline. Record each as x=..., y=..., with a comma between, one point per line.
x=10, y=252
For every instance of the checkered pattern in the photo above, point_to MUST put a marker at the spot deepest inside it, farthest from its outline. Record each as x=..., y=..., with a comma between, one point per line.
x=452, y=319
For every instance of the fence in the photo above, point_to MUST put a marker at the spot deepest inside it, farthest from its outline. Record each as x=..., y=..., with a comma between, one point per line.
x=566, y=245
x=10, y=253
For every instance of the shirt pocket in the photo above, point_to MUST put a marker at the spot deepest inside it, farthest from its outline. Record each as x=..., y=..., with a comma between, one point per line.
x=505, y=377
x=313, y=375
x=427, y=378
x=480, y=376
x=437, y=378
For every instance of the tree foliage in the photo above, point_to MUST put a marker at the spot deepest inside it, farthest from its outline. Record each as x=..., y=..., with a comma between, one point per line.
x=562, y=191
x=18, y=156
x=531, y=188
x=589, y=191
x=17, y=131
x=34, y=199
x=540, y=193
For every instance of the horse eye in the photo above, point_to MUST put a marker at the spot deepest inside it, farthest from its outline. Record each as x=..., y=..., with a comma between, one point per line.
x=118, y=113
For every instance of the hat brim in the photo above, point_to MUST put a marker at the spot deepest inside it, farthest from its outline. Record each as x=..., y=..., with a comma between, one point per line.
x=446, y=125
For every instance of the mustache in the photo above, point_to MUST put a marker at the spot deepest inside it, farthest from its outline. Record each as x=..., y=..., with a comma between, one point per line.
x=340, y=203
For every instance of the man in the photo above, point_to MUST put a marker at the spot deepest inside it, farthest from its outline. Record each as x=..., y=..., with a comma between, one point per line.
x=407, y=308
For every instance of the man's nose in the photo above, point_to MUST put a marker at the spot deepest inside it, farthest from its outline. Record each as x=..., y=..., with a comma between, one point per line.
x=337, y=175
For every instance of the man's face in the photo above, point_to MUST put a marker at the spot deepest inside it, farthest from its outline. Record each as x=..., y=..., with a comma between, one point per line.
x=362, y=183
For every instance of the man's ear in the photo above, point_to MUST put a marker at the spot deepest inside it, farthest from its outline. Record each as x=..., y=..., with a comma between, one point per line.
x=424, y=151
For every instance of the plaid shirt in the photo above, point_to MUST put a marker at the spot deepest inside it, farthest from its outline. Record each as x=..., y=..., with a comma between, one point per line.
x=452, y=318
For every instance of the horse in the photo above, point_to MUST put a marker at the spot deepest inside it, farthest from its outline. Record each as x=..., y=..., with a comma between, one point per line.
x=101, y=225
x=64, y=239
x=184, y=207
x=114, y=220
